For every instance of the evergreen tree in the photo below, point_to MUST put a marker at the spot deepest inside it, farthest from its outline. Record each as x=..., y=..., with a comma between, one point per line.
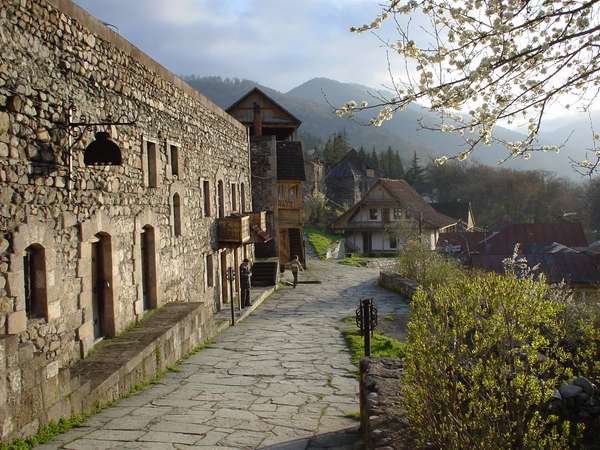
x=373, y=160
x=415, y=175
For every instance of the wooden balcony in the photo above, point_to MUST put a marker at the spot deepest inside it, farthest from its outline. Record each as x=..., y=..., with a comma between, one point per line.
x=234, y=230
x=291, y=218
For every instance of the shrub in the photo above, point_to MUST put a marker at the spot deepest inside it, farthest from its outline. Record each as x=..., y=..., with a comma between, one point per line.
x=482, y=362
x=428, y=268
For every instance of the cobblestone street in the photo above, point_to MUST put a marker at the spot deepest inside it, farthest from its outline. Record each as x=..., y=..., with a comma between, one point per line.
x=282, y=379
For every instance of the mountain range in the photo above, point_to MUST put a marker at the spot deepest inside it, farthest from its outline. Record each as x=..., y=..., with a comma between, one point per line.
x=313, y=103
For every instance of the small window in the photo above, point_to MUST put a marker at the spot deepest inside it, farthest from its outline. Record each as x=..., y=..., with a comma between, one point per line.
x=176, y=214
x=220, y=199
x=233, y=197
x=373, y=214
x=243, y=197
x=209, y=271
x=397, y=213
x=34, y=277
x=206, y=195
x=151, y=165
x=393, y=242
x=174, y=153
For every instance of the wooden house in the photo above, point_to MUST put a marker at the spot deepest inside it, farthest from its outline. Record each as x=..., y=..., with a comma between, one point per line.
x=278, y=172
x=370, y=226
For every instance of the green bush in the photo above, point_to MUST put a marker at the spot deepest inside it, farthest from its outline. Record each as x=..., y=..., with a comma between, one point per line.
x=428, y=268
x=482, y=362
x=320, y=239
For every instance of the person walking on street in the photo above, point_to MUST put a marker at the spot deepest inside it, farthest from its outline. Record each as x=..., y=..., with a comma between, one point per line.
x=295, y=266
x=245, y=276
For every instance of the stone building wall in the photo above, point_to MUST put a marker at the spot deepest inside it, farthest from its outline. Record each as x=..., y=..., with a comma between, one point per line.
x=52, y=55
x=263, y=151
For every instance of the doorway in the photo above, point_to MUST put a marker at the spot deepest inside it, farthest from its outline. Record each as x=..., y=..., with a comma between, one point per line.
x=101, y=284
x=367, y=242
x=147, y=243
x=224, y=292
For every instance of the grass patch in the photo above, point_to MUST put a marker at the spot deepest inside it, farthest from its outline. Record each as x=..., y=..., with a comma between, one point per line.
x=320, y=239
x=390, y=317
x=381, y=346
x=354, y=261
x=352, y=415
x=45, y=433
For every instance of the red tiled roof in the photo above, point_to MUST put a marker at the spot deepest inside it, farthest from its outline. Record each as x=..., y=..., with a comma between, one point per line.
x=572, y=267
x=503, y=241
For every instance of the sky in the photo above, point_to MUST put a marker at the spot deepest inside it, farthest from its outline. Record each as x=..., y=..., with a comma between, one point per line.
x=278, y=43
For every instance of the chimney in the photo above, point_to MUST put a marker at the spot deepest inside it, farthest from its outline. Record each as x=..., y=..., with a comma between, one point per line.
x=257, y=120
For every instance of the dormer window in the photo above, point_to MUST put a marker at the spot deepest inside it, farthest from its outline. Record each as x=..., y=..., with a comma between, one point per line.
x=373, y=214
x=397, y=213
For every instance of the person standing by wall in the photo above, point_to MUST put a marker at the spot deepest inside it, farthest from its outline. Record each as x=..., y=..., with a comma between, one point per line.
x=295, y=266
x=245, y=277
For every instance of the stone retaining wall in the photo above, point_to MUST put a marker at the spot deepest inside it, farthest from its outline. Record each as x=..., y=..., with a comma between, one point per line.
x=396, y=283
x=384, y=424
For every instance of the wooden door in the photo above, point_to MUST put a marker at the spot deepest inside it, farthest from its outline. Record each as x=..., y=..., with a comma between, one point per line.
x=367, y=242
x=98, y=282
x=148, y=268
x=284, y=247
x=224, y=292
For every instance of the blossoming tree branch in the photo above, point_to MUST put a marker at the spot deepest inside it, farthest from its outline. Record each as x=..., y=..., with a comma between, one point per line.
x=479, y=64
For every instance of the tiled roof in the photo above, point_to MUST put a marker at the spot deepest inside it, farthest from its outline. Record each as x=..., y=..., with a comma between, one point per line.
x=456, y=210
x=464, y=239
x=414, y=203
x=570, y=266
x=290, y=161
x=503, y=241
x=349, y=166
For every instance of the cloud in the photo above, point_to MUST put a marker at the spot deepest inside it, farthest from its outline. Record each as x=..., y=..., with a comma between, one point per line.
x=280, y=43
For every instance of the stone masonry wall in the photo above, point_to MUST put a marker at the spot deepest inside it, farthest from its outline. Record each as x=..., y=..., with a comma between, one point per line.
x=263, y=155
x=394, y=282
x=52, y=55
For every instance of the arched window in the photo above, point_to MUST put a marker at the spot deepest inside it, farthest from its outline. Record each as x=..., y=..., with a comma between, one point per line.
x=176, y=214
x=34, y=274
x=243, y=197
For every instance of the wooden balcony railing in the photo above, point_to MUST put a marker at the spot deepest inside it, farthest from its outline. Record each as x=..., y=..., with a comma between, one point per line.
x=234, y=229
x=259, y=219
x=291, y=217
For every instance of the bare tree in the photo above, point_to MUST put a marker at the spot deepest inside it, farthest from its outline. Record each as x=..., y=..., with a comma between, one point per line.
x=496, y=61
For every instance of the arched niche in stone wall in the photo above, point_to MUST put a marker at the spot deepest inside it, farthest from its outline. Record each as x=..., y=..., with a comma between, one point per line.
x=146, y=261
x=36, y=234
x=97, y=268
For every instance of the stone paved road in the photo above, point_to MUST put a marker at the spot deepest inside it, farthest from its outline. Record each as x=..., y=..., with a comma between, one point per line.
x=282, y=379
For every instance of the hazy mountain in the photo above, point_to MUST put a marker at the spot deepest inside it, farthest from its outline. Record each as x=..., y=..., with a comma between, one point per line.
x=312, y=102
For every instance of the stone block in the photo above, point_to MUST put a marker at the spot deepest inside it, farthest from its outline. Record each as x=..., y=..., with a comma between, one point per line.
x=61, y=408
x=4, y=122
x=50, y=391
x=53, y=311
x=15, y=283
x=16, y=323
x=139, y=307
x=86, y=331
x=52, y=369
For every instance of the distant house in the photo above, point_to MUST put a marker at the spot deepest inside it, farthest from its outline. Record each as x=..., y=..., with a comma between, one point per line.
x=369, y=225
x=349, y=179
x=560, y=250
x=461, y=211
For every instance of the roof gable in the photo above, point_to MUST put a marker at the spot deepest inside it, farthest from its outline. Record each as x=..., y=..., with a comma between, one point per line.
x=402, y=194
x=272, y=111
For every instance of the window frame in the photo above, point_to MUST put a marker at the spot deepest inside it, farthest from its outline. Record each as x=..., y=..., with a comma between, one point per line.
x=151, y=172
x=371, y=219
